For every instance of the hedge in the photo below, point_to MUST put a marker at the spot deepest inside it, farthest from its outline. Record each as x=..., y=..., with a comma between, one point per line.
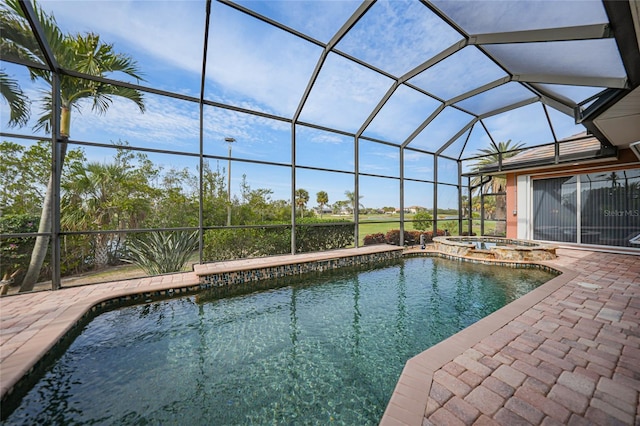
x=393, y=237
x=312, y=234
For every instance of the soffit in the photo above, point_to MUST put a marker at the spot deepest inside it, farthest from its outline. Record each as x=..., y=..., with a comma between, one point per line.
x=621, y=123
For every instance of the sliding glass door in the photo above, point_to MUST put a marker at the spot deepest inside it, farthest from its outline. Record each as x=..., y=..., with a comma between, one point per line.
x=595, y=208
x=555, y=209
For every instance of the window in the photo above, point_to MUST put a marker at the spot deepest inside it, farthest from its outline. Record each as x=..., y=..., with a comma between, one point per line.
x=596, y=208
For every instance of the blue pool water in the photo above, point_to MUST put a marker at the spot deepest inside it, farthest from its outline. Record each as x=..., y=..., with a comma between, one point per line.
x=326, y=350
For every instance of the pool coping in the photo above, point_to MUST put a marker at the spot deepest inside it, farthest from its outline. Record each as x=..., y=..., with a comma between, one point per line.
x=408, y=403
x=285, y=259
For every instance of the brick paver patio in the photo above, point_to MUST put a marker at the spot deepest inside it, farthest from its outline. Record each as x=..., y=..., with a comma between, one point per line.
x=566, y=353
x=572, y=357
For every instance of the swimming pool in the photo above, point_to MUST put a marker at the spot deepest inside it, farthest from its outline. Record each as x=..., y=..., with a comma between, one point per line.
x=328, y=349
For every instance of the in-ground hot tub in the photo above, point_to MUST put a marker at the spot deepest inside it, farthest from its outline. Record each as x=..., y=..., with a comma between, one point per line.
x=494, y=248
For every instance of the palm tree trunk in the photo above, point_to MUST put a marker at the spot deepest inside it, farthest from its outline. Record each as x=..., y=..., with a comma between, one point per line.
x=42, y=241
x=101, y=253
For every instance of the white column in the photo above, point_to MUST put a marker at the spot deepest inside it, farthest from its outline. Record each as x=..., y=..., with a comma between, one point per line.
x=523, y=203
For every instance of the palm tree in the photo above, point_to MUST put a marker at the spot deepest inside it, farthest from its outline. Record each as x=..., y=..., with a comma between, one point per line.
x=491, y=155
x=613, y=177
x=97, y=197
x=351, y=198
x=81, y=53
x=322, y=198
x=497, y=183
x=302, y=198
x=17, y=100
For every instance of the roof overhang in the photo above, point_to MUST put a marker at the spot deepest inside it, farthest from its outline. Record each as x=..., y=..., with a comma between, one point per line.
x=620, y=123
x=615, y=116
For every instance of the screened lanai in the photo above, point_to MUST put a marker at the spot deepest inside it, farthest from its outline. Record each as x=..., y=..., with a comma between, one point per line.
x=255, y=126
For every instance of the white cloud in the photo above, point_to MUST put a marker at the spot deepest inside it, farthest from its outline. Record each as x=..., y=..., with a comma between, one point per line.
x=397, y=36
x=259, y=62
x=527, y=124
x=401, y=115
x=344, y=94
x=170, y=30
x=319, y=19
x=166, y=124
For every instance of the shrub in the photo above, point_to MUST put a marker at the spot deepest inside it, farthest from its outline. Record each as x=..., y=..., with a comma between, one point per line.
x=312, y=234
x=162, y=252
x=410, y=237
x=393, y=237
x=319, y=235
x=449, y=225
x=372, y=239
x=76, y=254
x=422, y=220
x=16, y=252
x=428, y=236
x=225, y=244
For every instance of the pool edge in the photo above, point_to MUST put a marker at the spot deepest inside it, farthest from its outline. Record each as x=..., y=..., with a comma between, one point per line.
x=69, y=309
x=408, y=402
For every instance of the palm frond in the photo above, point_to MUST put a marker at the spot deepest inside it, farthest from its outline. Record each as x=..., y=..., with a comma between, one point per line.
x=19, y=104
x=85, y=53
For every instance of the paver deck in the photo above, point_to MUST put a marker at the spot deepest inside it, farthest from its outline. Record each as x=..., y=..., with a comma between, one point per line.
x=566, y=353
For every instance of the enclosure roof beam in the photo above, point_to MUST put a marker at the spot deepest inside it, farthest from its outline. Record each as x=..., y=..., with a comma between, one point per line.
x=582, y=32
x=424, y=124
x=38, y=33
x=573, y=80
x=479, y=90
x=457, y=135
x=509, y=107
x=406, y=77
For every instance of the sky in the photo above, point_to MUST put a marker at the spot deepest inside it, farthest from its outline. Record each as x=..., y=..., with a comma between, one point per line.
x=256, y=66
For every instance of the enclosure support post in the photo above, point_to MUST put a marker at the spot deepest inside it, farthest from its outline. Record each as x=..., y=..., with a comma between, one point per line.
x=57, y=159
x=293, y=187
x=402, y=224
x=435, y=195
x=356, y=192
x=460, y=208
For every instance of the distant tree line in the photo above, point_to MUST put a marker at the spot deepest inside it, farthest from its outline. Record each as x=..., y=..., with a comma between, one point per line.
x=130, y=192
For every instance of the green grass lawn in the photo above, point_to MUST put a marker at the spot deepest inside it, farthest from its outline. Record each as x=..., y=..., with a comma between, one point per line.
x=389, y=222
